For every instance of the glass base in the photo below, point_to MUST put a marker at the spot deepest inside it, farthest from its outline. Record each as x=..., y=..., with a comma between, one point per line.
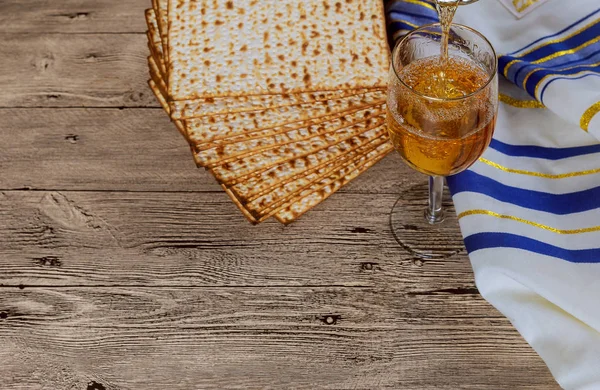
x=423, y=235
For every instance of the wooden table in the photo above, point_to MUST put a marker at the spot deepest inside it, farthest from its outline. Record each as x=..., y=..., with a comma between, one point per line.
x=122, y=266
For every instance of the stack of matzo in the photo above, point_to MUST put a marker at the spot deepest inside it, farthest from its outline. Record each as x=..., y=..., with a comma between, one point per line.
x=282, y=100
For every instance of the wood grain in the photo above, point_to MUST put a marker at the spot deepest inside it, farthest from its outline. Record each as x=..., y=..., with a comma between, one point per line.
x=200, y=239
x=253, y=338
x=99, y=149
x=74, y=70
x=73, y=16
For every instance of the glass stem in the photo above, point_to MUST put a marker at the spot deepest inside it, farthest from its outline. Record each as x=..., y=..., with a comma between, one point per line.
x=435, y=213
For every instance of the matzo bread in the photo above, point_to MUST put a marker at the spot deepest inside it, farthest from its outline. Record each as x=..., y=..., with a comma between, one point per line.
x=320, y=148
x=189, y=109
x=211, y=106
x=183, y=129
x=251, y=162
x=261, y=136
x=311, y=197
x=265, y=205
x=239, y=124
x=262, y=182
x=165, y=106
x=209, y=128
x=245, y=193
x=251, y=47
x=155, y=76
x=161, y=11
x=286, y=212
x=250, y=135
x=227, y=152
x=154, y=42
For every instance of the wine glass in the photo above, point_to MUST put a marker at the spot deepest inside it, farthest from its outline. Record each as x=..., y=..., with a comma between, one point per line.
x=441, y=115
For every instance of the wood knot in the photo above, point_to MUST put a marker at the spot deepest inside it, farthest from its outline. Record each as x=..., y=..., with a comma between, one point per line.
x=91, y=58
x=42, y=64
x=367, y=266
x=3, y=315
x=48, y=261
x=360, y=230
x=95, y=386
x=331, y=319
x=136, y=96
x=77, y=15
x=72, y=138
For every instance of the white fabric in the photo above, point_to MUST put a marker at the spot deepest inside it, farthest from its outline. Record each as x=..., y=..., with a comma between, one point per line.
x=554, y=303
x=530, y=209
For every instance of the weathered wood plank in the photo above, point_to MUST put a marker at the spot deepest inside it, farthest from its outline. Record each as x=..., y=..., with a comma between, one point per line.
x=186, y=239
x=87, y=70
x=100, y=149
x=73, y=16
x=130, y=150
x=124, y=338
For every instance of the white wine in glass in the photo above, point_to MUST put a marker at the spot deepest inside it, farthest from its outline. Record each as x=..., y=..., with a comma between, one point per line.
x=441, y=111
